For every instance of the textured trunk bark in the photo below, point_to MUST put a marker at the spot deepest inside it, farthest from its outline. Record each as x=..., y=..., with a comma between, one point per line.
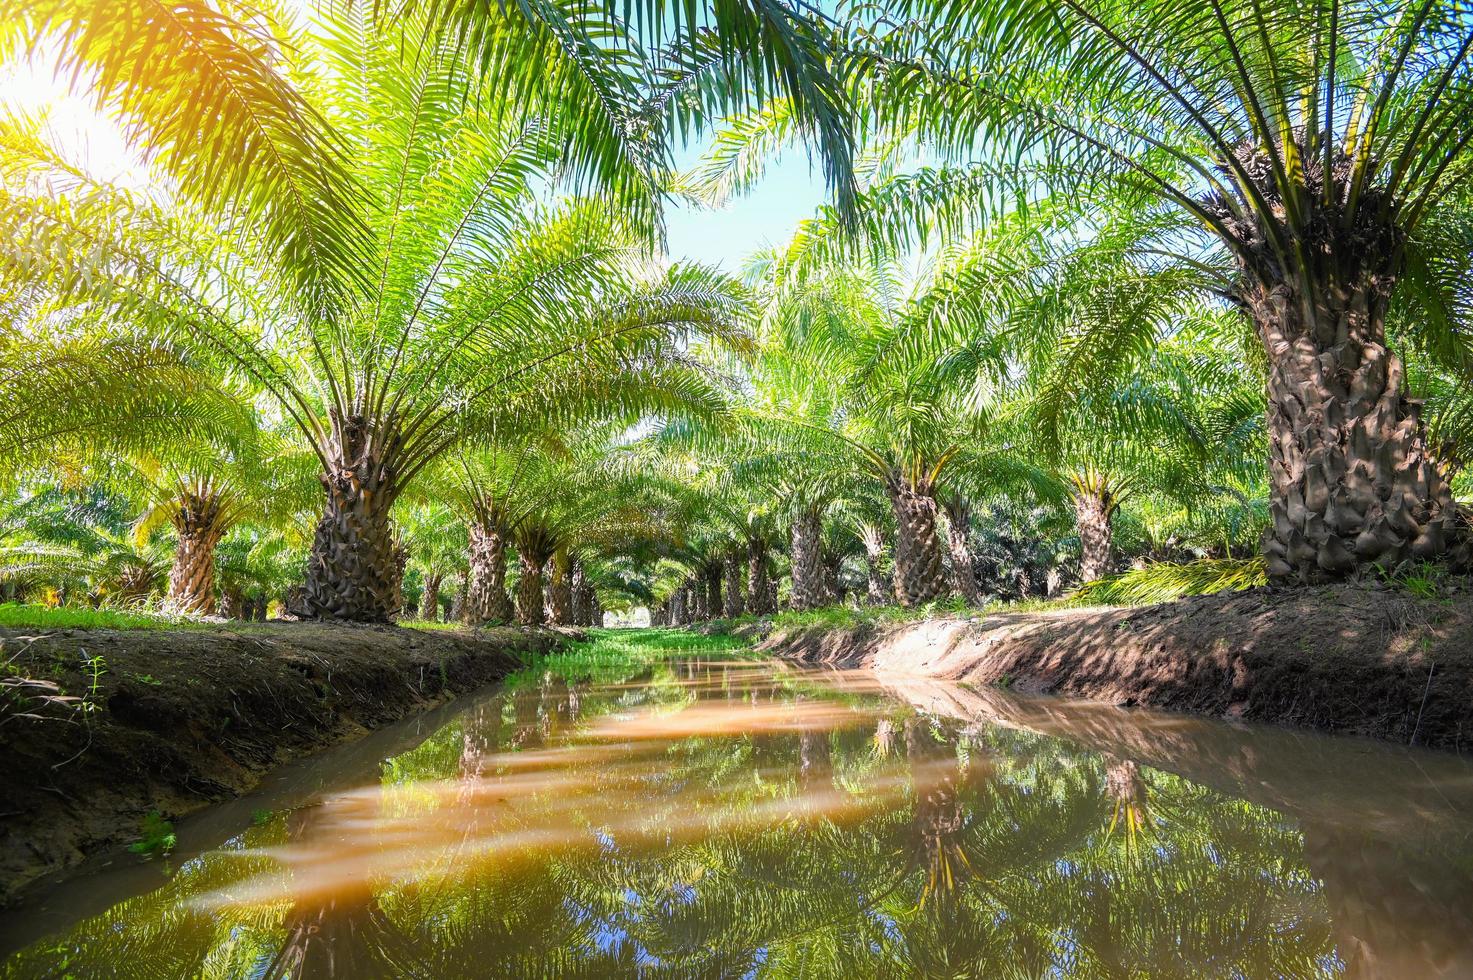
x=560, y=589
x=876, y=591
x=486, y=600
x=759, y=599
x=1352, y=482
x=734, y=604
x=529, y=589
x=696, y=588
x=459, y=600
x=262, y=604
x=429, y=601
x=919, y=577
x=833, y=582
x=353, y=572
x=808, y=590
x=401, y=557
x=959, y=547
x=714, y=605
x=200, y=525
x=232, y=604
x=580, y=590
x=678, y=612
x=590, y=610
x=1093, y=513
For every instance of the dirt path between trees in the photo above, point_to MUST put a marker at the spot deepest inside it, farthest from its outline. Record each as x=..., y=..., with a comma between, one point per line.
x=1344, y=659
x=173, y=721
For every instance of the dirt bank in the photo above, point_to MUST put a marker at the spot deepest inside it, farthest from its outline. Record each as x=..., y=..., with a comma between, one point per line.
x=172, y=721
x=1344, y=659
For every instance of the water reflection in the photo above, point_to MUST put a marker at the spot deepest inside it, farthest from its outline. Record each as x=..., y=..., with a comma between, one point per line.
x=734, y=818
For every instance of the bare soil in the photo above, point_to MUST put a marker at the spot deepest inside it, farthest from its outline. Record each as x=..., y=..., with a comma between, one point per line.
x=181, y=719
x=1349, y=659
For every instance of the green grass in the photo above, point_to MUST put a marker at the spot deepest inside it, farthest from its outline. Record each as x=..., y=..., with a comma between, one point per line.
x=613, y=655
x=20, y=615
x=848, y=617
x=425, y=624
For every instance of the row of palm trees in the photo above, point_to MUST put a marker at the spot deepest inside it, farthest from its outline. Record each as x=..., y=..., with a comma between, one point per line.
x=410, y=250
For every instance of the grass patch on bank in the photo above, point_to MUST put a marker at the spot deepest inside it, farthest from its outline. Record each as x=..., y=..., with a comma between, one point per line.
x=610, y=656
x=439, y=626
x=17, y=615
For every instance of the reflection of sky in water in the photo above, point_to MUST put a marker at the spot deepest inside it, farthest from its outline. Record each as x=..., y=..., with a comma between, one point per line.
x=721, y=819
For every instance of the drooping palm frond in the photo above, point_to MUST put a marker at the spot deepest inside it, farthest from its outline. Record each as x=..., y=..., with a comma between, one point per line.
x=1161, y=582
x=200, y=86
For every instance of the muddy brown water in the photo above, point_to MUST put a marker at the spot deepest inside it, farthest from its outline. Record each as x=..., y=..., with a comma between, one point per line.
x=739, y=817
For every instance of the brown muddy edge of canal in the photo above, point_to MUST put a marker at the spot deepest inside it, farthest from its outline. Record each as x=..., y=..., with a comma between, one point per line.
x=1345, y=659
x=182, y=719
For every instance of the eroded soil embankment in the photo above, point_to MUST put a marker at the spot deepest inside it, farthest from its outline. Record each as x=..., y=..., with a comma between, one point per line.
x=1345, y=659
x=177, y=720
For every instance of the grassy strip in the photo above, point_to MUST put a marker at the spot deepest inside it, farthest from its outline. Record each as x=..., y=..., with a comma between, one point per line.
x=26, y=616
x=609, y=656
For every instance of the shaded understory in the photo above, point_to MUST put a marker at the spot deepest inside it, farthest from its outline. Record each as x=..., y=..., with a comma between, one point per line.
x=174, y=720
x=1347, y=659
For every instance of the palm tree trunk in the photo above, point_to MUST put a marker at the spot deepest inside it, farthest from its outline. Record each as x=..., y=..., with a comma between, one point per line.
x=460, y=599
x=919, y=577
x=758, y=591
x=698, y=609
x=877, y=592
x=580, y=590
x=808, y=590
x=1352, y=482
x=354, y=571
x=833, y=582
x=486, y=600
x=232, y=604
x=678, y=612
x=529, y=589
x=1093, y=514
x=734, y=604
x=429, y=600
x=560, y=588
x=714, y=605
x=200, y=525
x=959, y=547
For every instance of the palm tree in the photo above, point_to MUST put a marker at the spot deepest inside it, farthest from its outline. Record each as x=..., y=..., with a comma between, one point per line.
x=843, y=390
x=465, y=296
x=80, y=544
x=1316, y=146
x=161, y=428
x=1181, y=424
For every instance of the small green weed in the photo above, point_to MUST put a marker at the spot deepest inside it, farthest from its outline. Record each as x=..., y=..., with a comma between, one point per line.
x=158, y=836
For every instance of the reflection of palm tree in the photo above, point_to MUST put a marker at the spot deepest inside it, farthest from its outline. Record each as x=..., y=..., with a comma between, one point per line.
x=939, y=818
x=1127, y=790
x=342, y=934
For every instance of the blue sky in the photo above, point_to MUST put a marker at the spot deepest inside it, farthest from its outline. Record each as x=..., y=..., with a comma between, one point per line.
x=789, y=191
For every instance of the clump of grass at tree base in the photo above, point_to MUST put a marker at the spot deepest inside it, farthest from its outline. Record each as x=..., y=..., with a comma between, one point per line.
x=158, y=836
x=1423, y=579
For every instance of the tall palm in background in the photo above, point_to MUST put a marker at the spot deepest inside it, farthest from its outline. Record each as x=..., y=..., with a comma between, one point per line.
x=484, y=298
x=1320, y=147
x=152, y=424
